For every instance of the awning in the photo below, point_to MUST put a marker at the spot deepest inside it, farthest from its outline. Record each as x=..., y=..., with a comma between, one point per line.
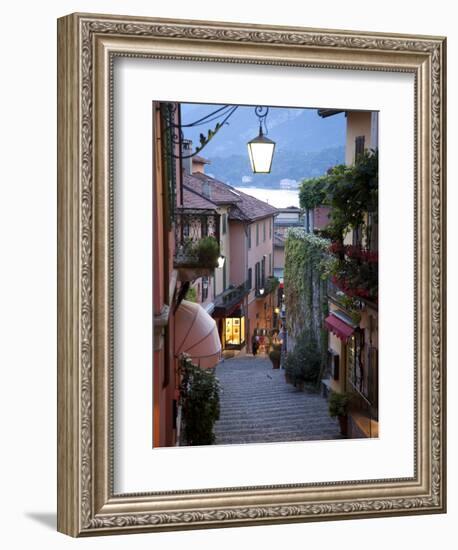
x=338, y=327
x=197, y=335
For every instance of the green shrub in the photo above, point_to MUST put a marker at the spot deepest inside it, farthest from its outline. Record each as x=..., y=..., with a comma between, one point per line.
x=338, y=404
x=303, y=363
x=199, y=399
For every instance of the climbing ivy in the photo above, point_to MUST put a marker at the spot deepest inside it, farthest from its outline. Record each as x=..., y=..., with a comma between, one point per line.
x=350, y=191
x=305, y=281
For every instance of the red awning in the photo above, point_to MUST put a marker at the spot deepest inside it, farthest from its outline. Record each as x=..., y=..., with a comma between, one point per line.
x=338, y=327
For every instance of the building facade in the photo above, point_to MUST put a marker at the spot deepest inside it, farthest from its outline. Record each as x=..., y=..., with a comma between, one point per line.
x=353, y=339
x=240, y=296
x=286, y=218
x=180, y=222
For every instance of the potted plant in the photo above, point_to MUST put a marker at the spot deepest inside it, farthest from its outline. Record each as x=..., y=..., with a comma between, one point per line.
x=196, y=259
x=200, y=402
x=207, y=250
x=338, y=406
x=275, y=355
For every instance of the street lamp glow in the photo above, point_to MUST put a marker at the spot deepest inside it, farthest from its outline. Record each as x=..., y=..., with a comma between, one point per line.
x=261, y=152
x=221, y=261
x=261, y=291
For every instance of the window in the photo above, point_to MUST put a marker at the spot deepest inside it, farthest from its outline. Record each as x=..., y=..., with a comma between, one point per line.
x=270, y=264
x=250, y=275
x=257, y=234
x=333, y=364
x=204, y=227
x=224, y=224
x=249, y=236
x=257, y=278
x=355, y=360
x=359, y=147
x=270, y=228
x=205, y=285
x=263, y=272
x=234, y=333
x=264, y=231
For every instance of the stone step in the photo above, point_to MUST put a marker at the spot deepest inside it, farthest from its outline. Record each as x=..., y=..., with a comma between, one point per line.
x=257, y=405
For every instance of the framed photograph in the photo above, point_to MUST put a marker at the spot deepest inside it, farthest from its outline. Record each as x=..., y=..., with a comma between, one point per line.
x=251, y=272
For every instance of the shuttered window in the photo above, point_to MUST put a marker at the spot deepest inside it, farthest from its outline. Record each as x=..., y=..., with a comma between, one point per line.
x=359, y=147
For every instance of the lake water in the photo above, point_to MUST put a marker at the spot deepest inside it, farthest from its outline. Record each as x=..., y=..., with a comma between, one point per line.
x=280, y=198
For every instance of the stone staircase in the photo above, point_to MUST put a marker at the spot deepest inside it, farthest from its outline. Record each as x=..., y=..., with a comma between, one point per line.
x=258, y=406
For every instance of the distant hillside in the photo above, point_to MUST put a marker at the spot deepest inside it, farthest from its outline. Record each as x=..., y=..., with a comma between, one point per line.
x=292, y=165
x=306, y=144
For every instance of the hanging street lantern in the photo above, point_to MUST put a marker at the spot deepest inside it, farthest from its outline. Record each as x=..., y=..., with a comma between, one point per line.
x=221, y=261
x=261, y=148
x=261, y=152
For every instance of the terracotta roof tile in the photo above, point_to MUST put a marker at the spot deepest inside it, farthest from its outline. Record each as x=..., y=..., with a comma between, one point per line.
x=244, y=206
x=250, y=208
x=194, y=200
x=211, y=189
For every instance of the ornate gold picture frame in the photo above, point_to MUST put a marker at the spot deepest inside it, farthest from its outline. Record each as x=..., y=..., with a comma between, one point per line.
x=87, y=46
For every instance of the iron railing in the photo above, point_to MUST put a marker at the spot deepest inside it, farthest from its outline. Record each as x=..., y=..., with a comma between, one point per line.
x=191, y=226
x=350, y=304
x=232, y=296
x=270, y=284
x=363, y=415
x=340, y=298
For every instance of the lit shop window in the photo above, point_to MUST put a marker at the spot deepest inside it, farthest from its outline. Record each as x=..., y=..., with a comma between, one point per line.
x=234, y=331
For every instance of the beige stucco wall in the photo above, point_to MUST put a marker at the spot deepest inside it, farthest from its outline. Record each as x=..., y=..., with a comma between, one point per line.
x=225, y=251
x=359, y=123
x=336, y=345
x=238, y=272
x=256, y=313
x=265, y=247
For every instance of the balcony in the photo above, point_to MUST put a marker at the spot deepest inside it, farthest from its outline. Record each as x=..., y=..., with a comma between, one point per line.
x=226, y=302
x=270, y=285
x=355, y=278
x=197, y=245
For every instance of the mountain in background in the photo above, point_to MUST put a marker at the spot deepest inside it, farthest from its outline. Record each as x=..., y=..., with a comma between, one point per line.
x=306, y=144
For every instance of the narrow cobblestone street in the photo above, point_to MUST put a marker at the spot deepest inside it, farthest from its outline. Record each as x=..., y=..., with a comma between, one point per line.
x=258, y=406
